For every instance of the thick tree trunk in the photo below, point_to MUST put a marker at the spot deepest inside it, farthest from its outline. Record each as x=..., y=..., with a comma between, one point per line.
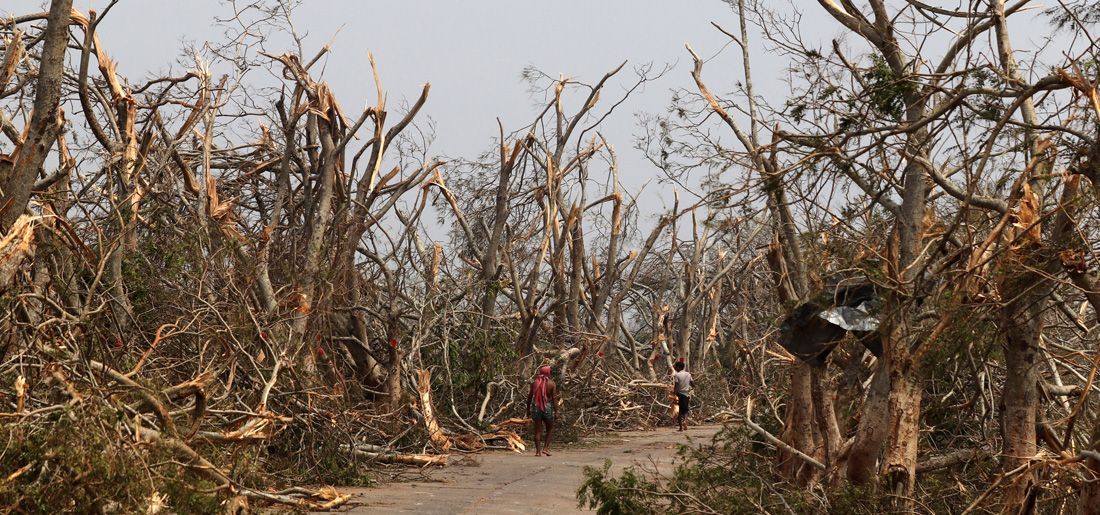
x=798, y=426
x=823, y=393
x=46, y=121
x=1088, y=502
x=1026, y=294
x=303, y=350
x=871, y=431
x=576, y=269
x=799, y=429
x=490, y=260
x=610, y=275
x=899, y=456
x=1023, y=325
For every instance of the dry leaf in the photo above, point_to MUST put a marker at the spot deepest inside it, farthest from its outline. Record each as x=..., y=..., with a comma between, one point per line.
x=303, y=304
x=1027, y=217
x=1073, y=261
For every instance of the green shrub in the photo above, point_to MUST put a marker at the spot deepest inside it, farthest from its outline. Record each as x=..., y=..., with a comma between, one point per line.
x=74, y=461
x=608, y=495
x=727, y=475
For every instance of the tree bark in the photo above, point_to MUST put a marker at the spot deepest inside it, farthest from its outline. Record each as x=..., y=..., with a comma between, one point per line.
x=1026, y=292
x=490, y=261
x=862, y=465
x=1088, y=502
x=899, y=455
x=1022, y=323
x=798, y=427
x=823, y=392
x=46, y=121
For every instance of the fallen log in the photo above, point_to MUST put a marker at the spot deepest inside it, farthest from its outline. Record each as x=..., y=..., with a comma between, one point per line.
x=420, y=460
x=951, y=459
x=469, y=442
x=386, y=455
x=475, y=442
x=325, y=497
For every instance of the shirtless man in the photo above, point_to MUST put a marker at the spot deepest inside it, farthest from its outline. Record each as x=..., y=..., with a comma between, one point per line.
x=543, y=396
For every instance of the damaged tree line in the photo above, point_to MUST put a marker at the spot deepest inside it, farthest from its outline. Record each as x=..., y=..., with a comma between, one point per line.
x=226, y=285
x=931, y=200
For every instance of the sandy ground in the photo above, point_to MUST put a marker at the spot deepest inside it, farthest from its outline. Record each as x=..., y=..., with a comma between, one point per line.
x=502, y=482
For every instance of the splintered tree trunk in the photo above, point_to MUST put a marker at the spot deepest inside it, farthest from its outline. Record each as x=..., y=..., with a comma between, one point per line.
x=785, y=254
x=710, y=332
x=1025, y=293
x=490, y=261
x=576, y=271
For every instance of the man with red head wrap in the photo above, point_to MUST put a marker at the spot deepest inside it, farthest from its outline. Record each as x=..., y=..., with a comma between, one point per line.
x=542, y=398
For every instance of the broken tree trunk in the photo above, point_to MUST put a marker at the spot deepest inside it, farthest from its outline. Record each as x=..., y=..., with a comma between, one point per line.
x=435, y=433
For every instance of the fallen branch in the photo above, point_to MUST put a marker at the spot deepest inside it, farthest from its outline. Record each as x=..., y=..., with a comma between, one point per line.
x=485, y=402
x=208, y=469
x=383, y=455
x=776, y=441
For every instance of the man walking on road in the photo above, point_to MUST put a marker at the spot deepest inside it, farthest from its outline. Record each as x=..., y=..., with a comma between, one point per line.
x=681, y=384
x=544, y=394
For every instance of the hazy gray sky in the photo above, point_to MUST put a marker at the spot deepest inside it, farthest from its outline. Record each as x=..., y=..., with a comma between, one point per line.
x=473, y=51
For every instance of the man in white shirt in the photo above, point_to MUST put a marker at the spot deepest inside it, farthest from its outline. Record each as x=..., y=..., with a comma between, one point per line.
x=681, y=384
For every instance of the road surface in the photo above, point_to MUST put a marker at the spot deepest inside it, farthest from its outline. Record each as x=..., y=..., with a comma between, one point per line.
x=498, y=482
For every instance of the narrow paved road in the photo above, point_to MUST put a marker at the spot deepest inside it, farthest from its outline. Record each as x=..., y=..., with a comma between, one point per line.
x=502, y=482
